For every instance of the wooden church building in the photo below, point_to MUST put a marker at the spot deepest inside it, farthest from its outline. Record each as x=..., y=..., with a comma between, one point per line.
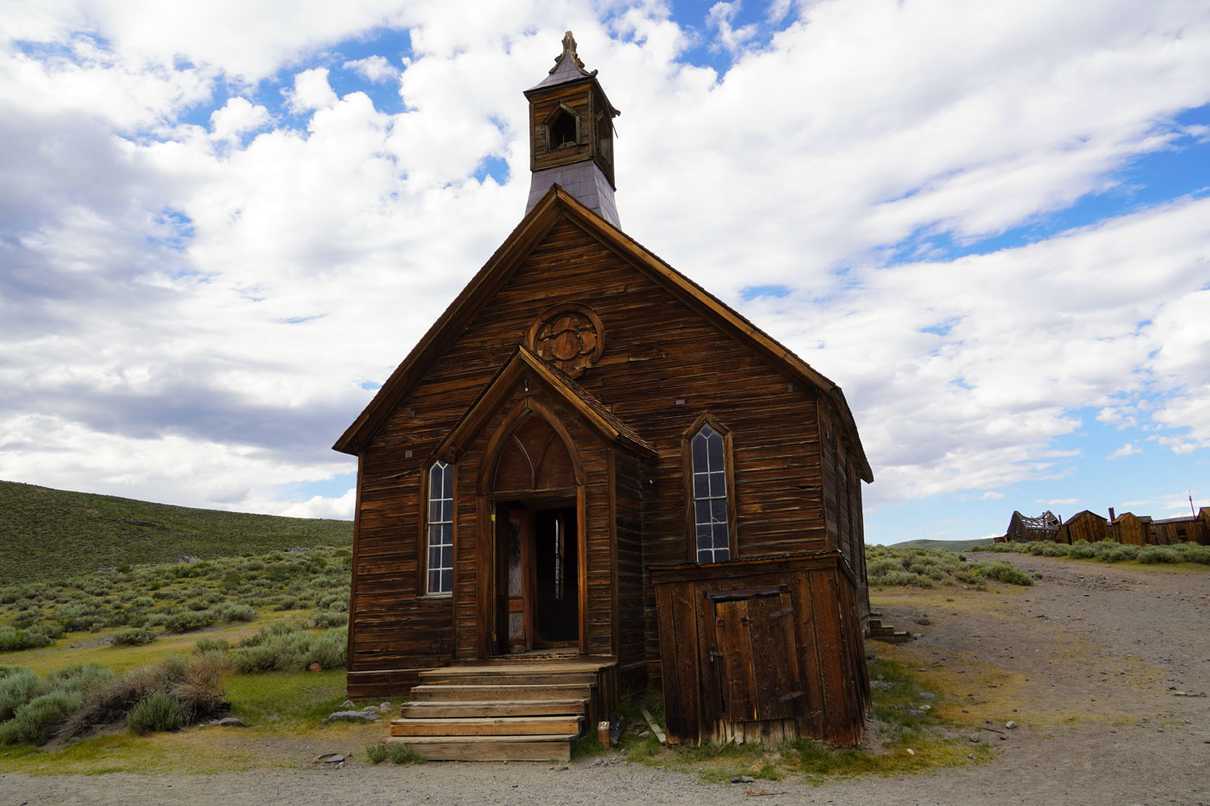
x=589, y=476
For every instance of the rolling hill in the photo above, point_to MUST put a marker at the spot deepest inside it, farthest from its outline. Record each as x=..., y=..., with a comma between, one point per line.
x=948, y=545
x=50, y=534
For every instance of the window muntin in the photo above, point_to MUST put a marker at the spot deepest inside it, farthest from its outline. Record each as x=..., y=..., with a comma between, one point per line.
x=440, y=529
x=710, y=515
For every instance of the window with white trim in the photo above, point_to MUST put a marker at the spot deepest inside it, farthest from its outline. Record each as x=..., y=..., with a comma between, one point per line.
x=710, y=512
x=441, y=529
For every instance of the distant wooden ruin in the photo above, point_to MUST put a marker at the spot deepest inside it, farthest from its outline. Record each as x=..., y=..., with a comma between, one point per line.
x=1128, y=528
x=591, y=475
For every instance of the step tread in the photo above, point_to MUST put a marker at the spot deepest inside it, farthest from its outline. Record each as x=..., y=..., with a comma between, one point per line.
x=539, y=737
x=483, y=720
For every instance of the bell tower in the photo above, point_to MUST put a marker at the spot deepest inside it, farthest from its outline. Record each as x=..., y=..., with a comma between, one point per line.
x=571, y=135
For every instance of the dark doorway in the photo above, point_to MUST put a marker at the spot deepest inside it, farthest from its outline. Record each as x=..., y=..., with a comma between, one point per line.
x=556, y=576
x=537, y=577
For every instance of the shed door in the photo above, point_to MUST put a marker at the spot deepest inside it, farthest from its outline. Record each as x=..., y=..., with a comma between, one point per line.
x=756, y=656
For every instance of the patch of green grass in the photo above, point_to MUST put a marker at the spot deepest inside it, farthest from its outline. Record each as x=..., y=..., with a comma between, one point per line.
x=286, y=698
x=393, y=752
x=587, y=746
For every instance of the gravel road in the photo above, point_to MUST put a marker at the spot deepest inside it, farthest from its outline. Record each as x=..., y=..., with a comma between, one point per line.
x=1117, y=647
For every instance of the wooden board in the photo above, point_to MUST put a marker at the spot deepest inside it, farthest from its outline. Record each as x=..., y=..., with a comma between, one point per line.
x=489, y=748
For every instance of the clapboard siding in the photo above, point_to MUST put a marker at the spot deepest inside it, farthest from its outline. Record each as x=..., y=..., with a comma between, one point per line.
x=664, y=364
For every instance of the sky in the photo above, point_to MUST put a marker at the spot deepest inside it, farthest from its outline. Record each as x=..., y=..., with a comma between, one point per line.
x=223, y=224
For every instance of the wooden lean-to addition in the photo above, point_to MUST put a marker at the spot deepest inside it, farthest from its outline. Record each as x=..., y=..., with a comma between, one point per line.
x=582, y=428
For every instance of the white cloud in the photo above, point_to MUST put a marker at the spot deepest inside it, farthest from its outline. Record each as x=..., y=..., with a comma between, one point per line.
x=340, y=507
x=164, y=295
x=1127, y=449
x=1057, y=502
x=237, y=116
x=374, y=68
x=311, y=91
x=730, y=39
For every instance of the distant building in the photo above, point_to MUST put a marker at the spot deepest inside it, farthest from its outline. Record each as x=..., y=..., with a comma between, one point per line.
x=1084, y=525
x=1186, y=529
x=1130, y=529
x=1025, y=529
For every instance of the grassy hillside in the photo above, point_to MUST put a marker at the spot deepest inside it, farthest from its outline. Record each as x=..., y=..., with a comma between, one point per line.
x=948, y=545
x=51, y=534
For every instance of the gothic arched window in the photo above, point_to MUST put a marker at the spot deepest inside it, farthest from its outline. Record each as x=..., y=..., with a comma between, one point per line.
x=440, y=529
x=709, y=461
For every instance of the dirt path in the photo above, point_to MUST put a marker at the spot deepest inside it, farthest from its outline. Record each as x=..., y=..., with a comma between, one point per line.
x=1089, y=662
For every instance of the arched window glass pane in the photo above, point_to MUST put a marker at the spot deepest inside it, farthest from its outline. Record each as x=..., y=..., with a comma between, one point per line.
x=441, y=529
x=710, y=496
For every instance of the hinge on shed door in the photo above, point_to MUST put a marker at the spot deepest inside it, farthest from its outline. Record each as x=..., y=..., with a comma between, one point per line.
x=714, y=653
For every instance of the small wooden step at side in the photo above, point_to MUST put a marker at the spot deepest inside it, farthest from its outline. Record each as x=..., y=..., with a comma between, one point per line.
x=487, y=726
x=431, y=710
x=443, y=692
x=489, y=748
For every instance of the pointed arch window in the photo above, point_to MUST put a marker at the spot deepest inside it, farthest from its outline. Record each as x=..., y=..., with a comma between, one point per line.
x=440, y=529
x=712, y=522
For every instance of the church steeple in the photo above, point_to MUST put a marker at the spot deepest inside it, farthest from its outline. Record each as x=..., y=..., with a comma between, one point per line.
x=571, y=135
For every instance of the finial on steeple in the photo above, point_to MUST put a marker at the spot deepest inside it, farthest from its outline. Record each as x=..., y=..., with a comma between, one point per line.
x=569, y=49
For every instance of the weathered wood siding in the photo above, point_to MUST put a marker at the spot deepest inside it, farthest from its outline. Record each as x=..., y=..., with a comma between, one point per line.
x=1130, y=529
x=1086, y=526
x=748, y=645
x=1170, y=531
x=664, y=364
x=629, y=481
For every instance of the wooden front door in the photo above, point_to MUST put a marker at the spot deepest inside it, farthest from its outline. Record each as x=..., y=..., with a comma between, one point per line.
x=755, y=656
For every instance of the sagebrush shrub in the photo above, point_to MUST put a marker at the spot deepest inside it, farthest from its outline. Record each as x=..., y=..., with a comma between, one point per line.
x=36, y=721
x=1003, y=572
x=15, y=638
x=158, y=711
x=17, y=687
x=1159, y=554
x=135, y=636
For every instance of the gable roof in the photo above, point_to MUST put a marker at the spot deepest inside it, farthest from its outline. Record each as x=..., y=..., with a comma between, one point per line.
x=1085, y=513
x=556, y=204
x=602, y=419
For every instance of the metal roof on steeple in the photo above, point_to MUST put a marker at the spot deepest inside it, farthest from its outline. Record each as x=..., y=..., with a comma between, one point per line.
x=568, y=66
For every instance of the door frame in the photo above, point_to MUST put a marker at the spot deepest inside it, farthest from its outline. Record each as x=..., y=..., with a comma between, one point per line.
x=488, y=499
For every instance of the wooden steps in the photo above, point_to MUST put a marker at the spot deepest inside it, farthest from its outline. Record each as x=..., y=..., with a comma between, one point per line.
x=444, y=692
x=424, y=710
x=487, y=726
x=886, y=632
x=519, y=710
x=490, y=748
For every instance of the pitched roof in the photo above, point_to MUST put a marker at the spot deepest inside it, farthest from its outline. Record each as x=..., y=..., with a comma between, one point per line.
x=1084, y=512
x=537, y=222
x=602, y=419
